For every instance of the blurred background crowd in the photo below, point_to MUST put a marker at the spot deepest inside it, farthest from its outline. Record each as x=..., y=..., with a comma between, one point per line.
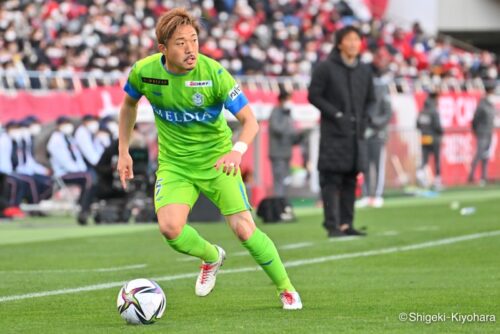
x=273, y=38
x=69, y=41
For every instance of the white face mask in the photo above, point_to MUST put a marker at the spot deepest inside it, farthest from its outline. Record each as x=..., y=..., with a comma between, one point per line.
x=67, y=128
x=26, y=133
x=288, y=105
x=16, y=134
x=93, y=126
x=35, y=129
x=113, y=128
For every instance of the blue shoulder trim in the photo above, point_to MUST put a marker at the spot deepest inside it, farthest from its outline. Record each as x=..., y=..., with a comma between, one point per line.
x=130, y=90
x=234, y=106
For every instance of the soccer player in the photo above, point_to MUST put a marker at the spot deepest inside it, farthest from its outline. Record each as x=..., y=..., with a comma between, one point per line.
x=187, y=91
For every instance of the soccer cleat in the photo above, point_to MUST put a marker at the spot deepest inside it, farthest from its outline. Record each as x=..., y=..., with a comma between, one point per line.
x=291, y=300
x=206, y=279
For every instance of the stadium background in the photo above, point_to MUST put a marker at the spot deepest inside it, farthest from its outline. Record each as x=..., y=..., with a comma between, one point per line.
x=76, y=55
x=420, y=255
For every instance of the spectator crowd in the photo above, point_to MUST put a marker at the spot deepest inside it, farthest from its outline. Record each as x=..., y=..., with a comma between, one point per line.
x=33, y=156
x=269, y=37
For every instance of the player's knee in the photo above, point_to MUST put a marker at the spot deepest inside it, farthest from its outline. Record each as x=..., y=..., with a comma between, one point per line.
x=170, y=228
x=171, y=220
x=243, y=225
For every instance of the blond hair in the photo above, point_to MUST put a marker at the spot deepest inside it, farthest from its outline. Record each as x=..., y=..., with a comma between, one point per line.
x=171, y=20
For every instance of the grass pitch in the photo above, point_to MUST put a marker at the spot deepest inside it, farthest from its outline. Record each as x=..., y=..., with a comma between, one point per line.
x=420, y=258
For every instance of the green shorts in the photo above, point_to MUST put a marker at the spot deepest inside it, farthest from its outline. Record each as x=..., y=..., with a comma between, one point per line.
x=183, y=186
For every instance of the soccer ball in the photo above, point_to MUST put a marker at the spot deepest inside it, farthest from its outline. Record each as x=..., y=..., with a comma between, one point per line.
x=141, y=301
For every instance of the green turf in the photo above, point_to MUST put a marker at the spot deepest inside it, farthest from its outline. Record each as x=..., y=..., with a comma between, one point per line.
x=355, y=294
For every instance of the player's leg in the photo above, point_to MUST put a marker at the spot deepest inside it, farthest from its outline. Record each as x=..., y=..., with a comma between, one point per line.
x=261, y=247
x=173, y=201
x=182, y=237
x=229, y=194
x=264, y=252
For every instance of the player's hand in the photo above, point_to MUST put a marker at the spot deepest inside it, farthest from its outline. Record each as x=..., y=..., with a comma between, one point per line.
x=125, y=169
x=230, y=162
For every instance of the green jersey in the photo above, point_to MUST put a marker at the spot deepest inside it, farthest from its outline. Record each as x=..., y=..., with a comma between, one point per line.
x=192, y=130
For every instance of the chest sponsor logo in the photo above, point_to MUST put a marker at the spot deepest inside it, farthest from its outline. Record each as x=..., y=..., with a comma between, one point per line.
x=185, y=117
x=197, y=84
x=154, y=81
x=235, y=92
x=198, y=99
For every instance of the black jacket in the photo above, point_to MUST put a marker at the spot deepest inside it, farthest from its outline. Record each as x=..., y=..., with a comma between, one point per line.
x=343, y=95
x=428, y=121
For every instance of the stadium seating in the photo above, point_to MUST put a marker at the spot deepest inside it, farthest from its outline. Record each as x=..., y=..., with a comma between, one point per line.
x=273, y=38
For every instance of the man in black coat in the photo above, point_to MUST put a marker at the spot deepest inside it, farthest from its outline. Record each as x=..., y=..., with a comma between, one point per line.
x=342, y=89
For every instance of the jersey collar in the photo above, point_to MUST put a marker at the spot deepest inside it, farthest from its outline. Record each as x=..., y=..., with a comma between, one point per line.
x=163, y=65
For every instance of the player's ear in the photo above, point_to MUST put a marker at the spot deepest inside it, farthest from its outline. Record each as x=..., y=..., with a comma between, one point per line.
x=162, y=47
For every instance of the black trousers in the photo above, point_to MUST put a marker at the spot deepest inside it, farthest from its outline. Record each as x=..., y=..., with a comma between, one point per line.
x=435, y=150
x=86, y=183
x=376, y=157
x=281, y=169
x=482, y=149
x=41, y=189
x=17, y=187
x=338, y=192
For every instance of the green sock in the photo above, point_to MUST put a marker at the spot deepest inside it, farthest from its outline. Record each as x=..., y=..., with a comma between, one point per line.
x=191, y=243
x=266, y=255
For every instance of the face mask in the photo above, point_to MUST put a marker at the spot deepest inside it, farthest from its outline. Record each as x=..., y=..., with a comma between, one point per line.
x=288, y=105
x=93, y=126
x=113, y=128
x=26, y=133
x=35, y=129
x=16, y=134
x=67, y=128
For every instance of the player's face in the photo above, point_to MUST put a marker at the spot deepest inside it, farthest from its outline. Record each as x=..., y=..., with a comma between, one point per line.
x=351, y=45
x=181, y=50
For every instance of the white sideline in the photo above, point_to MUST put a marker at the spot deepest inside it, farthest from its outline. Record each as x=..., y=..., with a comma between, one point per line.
x=389, y=233
x=244, y=253
x=288, y=264
x=69, y=271
x=296, y=246
x=342, y=239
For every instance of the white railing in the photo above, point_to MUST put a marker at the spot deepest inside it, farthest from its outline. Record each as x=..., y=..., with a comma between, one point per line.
x=13, y=80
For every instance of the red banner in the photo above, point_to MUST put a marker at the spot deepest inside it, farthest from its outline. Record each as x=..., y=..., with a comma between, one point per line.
x=456, y=111
x=47, y=107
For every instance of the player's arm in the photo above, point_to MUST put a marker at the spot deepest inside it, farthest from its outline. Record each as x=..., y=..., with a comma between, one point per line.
x=128, y=115
x=232, y=160
x=249, y=125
